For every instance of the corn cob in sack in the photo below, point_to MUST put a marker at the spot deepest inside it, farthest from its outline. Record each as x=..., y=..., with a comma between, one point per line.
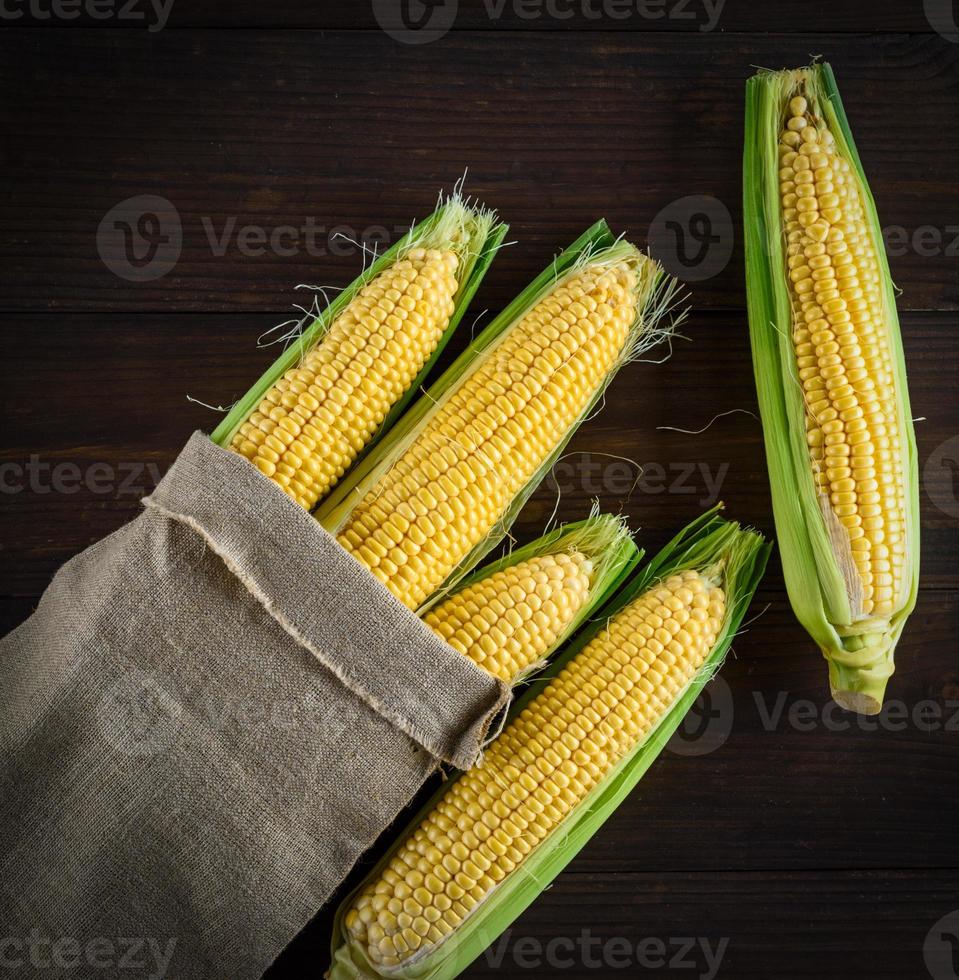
x=483, y=848
x=199, y=672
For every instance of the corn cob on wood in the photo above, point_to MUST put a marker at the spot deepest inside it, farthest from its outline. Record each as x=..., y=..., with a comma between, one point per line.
x=544, y=764
x=510, y=617
x=843, y=411
x=314, y=422
x=507, y=622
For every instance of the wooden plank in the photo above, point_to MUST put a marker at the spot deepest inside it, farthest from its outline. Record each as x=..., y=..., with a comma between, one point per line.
x=97, y=409
x=755, y=925
x=272, y=131
x=855, y=16
x=858, y=925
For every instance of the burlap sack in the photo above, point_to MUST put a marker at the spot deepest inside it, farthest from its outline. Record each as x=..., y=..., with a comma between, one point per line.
x=211, y=715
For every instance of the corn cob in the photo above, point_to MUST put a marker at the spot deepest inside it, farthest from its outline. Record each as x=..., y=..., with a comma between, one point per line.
x=508, y=618
x=451, y=482
x=322, y=410
x=831, y=378
x=484, y=847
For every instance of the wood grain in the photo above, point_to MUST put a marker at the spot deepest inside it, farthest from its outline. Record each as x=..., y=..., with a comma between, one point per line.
x=273, y=130
x=115, y=412
x=773, y=926
x=791, y=16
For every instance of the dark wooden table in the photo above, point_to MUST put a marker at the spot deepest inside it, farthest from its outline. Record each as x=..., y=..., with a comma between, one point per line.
x=799, y=841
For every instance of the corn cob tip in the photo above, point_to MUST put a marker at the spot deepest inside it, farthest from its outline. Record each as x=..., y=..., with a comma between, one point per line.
x=508, y=622
x=315, y=420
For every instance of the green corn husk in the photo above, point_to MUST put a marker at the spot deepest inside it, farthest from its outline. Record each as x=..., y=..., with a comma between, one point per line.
x=603, y=538
x=659, y=294
x=469, y=229
x=708, y=543
x=859, y=649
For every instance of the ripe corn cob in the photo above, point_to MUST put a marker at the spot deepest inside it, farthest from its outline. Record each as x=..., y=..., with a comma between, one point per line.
x=508, y=618
x=445, y=488
x=322, y=410
x=832, y=383
x=319, y=416
x=488, y=842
